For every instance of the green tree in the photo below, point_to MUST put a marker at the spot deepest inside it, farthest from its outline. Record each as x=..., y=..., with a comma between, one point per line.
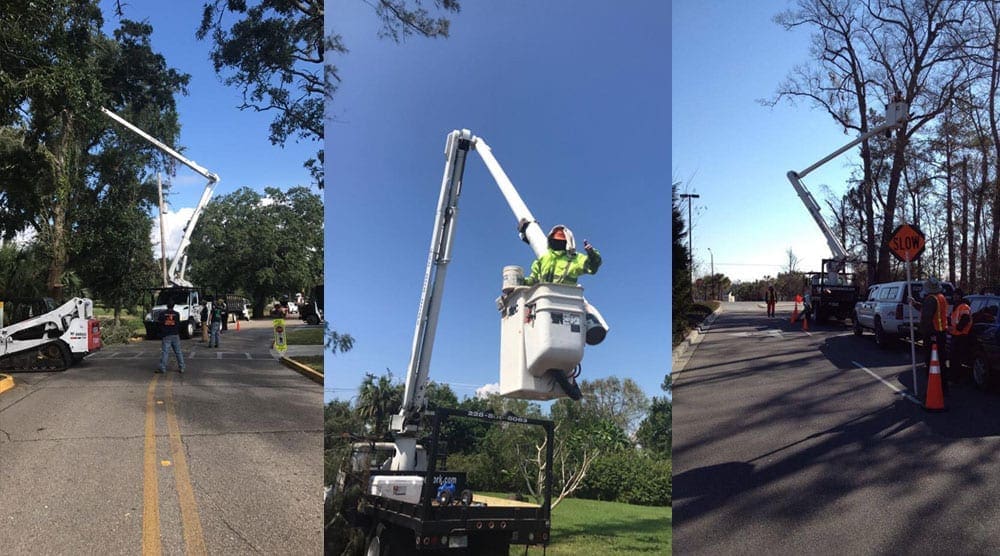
x=273, y=51
x=655, y=434
x=59, y=68
x=378, y=399
x=621, y=401
x=681, y=294
x=262, y=245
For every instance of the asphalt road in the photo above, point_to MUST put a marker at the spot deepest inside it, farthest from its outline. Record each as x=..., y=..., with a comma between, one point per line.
x=110, y=458
x=783, y=444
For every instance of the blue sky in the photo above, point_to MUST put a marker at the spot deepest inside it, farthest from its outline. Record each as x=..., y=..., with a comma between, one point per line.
x=734, y=152
x=214, y=132
x=573, y=97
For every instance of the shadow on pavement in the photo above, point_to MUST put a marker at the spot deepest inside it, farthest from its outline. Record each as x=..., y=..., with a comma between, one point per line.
x=971, y=413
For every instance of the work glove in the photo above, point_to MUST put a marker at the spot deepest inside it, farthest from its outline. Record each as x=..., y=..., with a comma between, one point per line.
x=587, y=246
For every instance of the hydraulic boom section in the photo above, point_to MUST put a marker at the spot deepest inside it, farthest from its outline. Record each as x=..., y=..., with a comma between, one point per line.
x=895, y=116
x=178, y=265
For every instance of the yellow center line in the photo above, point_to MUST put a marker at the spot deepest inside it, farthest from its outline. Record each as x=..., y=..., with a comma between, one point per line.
x=150, y=494
x=194, y=542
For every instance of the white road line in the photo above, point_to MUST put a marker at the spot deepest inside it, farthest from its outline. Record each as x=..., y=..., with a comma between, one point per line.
x=138, y=355
x=247, y=354
x=218, y=355
x=903, y=393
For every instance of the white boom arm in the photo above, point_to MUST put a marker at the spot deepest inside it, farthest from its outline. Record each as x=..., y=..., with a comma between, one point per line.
x=895, y=115
x=179, y=263
x=457, y=148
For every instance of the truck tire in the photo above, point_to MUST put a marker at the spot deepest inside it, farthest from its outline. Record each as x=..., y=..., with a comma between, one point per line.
x=982, y=375
x=187, y=331
x=388, y=541
x=880, y=337
x=312, y=319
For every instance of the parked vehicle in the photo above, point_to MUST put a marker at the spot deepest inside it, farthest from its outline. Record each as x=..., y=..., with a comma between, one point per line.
x=186, y=302
x=986, y=332
x=886, y=310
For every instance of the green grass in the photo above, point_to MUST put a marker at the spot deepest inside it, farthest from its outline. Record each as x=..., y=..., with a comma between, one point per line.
x=314, y=362
x=305, y=337
x=605, y=529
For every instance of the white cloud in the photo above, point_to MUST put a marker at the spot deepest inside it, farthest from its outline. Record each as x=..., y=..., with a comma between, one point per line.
x=173, y=226
x=487, y=389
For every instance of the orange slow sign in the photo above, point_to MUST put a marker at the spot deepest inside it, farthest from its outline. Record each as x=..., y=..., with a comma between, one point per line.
x=907, y=242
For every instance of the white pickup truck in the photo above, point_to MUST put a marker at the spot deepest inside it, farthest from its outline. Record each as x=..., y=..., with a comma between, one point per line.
x=886, y=310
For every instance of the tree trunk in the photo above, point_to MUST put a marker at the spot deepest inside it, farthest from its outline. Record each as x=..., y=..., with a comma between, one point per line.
x=965, y=224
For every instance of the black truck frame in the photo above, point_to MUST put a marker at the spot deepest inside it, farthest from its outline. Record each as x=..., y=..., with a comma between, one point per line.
x=834, y=299
x=459, y=528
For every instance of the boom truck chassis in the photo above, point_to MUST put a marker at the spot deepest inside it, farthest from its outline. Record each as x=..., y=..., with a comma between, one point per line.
x=407, y=503
x=182, y=292
x=833, y=290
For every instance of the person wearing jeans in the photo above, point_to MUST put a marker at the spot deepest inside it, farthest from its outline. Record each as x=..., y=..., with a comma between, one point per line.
x=170, y=329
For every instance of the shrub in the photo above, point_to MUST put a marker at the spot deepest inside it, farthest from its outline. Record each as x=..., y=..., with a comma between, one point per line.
x=630, y=477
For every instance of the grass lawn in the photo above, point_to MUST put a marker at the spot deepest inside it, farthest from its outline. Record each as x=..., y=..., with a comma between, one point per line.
x=605, y=528
x=314, y=362
x=305, y=337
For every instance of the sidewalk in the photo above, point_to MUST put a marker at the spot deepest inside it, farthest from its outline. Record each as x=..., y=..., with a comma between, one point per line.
x=299, y=351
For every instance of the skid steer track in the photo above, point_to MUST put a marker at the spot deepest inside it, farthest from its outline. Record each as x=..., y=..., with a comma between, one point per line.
x=53, y=356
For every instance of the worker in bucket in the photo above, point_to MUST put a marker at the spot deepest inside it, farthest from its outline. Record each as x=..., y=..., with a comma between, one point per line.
x=170, y=329
x=562, y=264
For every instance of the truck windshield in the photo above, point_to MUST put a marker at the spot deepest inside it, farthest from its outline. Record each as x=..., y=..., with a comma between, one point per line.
x=178, y=297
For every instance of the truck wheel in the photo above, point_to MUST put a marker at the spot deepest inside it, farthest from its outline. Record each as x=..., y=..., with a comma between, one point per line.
x=880, y=338
x=312, y=319
x=386, y=541
x=981, y=373
x=858, y=329
x=187, y=330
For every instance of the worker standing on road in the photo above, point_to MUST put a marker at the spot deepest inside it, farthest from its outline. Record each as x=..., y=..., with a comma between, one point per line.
x=771, y=298
x=205, y=313
x=170, y=329
x=961, y=346
x=216, y=324
x=934, y=324
x=562, y=264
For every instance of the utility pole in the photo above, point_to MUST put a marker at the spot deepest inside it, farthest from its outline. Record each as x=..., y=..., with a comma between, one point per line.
x=690, y=196
x=715, y=293
x=163, y=237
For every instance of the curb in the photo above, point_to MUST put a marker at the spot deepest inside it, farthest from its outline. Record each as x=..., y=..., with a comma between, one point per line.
x=305, y=371
x=6, y=383
x=680, y=356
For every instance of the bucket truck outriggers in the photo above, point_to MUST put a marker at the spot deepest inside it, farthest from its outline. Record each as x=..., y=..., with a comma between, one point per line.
x=180, y=291
x=412, y=501
x=833, y=291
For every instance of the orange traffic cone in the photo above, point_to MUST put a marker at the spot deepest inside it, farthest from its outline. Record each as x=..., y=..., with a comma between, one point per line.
x=935, y=393
x=795, y=313
x=237, y=324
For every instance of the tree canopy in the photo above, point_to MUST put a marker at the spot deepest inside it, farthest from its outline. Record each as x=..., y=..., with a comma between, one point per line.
x=60, y=156
x=263, y=245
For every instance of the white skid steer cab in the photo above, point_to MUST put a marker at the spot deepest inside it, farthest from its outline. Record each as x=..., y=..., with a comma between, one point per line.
x=40, y=338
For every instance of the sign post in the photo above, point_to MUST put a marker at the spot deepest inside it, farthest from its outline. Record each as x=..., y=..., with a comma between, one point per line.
x=907, y=244
x=280, y=344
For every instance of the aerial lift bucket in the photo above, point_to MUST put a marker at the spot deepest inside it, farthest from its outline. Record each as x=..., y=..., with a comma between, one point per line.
x=542, y=336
